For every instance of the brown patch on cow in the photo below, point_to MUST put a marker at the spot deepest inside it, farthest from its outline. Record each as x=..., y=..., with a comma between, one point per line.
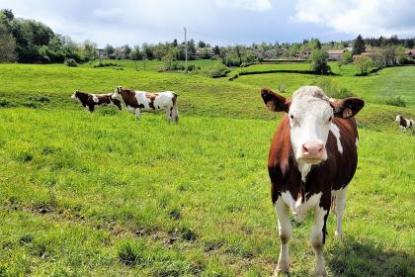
x=128, y=96
x=152, y=97
x=402, y=121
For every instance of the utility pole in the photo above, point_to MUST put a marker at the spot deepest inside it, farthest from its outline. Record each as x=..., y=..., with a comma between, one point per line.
x=185, y=49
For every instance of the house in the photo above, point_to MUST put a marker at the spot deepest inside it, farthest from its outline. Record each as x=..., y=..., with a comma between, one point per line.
x=410, y=53
x=335, y=54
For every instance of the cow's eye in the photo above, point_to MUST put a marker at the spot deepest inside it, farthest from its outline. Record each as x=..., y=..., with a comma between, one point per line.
x=292, y=117
x=330, y=118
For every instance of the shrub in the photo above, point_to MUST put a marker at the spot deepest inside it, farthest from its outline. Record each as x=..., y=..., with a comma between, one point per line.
x=70, y=62
x=319, y=62
x=332, y=90
x=219, y=71
x=4, y=103
x=104, y=64
x=347, y=57
x=395, y=101
x=363, y=63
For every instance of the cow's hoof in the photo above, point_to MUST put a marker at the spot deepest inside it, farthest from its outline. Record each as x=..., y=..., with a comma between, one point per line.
x=282, y=268
x=339, y=236
x=320, y=273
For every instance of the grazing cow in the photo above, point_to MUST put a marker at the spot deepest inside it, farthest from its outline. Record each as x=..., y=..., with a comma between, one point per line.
x=312, y=159
x=138, y=101
x=89, y=101
x=404, y=123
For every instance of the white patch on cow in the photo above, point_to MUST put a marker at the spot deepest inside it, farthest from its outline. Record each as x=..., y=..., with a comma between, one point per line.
x=299, y=207
x=357, y=142
x=336, y=132
x=95, y=98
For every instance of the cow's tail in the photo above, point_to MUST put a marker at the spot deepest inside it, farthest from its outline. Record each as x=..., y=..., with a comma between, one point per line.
x=174, y=110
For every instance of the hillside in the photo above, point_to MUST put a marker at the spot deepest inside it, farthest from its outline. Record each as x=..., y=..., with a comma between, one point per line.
x=104, y=194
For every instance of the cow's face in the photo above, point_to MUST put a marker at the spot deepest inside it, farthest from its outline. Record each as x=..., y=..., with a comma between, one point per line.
x=75, y=95
x=310, y=115
x=116, y=95
x=398, y=118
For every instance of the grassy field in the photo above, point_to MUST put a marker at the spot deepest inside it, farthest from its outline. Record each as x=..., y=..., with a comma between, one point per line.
x=106, y=195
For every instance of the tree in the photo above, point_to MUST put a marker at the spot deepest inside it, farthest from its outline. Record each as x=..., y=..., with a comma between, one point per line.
x=319, y=62
x=7, y=45
x=89, y=50
x=136, y=53
x=363, y=63
x=358, y=46
x=109, y=50
x=201, y=44
x=216, y=50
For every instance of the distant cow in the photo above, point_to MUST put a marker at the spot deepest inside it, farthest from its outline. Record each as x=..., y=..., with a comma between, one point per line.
x=312, y=159
x=138, y=101
x=89, y=101
x=404, y=123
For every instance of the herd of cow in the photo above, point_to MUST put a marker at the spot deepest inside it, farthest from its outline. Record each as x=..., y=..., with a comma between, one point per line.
x=135, y=101
x=312, y=158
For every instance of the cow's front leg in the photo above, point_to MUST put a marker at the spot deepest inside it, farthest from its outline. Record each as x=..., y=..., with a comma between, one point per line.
x=318, y=234
x=137, y=113
x=284, y=231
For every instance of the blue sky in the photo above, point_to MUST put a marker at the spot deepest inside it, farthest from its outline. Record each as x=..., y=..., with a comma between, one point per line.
x=219, y=21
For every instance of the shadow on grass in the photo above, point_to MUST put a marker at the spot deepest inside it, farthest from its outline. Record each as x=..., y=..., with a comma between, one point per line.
x=355, y=258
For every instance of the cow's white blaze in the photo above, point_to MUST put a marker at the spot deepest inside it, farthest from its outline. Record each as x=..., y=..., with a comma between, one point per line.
x=310, y=116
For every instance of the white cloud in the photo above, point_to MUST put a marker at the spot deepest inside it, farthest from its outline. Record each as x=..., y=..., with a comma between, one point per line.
x=369, y=17
x=251, y=5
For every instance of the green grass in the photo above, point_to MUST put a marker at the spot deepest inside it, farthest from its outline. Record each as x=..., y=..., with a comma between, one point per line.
x=104, y=194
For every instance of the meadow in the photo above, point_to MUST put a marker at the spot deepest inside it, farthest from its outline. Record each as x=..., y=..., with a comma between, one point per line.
x=106, y=195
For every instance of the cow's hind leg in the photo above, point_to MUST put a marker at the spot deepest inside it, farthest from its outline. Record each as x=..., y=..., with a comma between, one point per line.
x=285, y=231
x=318, y=234
x=340, y=204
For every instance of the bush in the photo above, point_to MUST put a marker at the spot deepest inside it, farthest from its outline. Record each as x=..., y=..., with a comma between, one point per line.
x=319, y=62
x=363, y=63
x=395, y=101
x=104, y=64
x=347, y=57
x=219, y=71
x=332, y=90
x=70, y=62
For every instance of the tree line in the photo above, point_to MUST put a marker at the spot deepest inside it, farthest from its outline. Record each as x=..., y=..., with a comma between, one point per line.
x=29, y=41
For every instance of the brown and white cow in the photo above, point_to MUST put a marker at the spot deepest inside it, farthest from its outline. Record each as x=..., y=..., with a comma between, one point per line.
x=138, y=101
x=89, y=101
x=312, y=159
x=404, y=123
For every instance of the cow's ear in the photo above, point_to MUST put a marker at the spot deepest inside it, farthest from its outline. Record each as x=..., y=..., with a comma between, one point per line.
x=274, y=101
x=348, y=107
